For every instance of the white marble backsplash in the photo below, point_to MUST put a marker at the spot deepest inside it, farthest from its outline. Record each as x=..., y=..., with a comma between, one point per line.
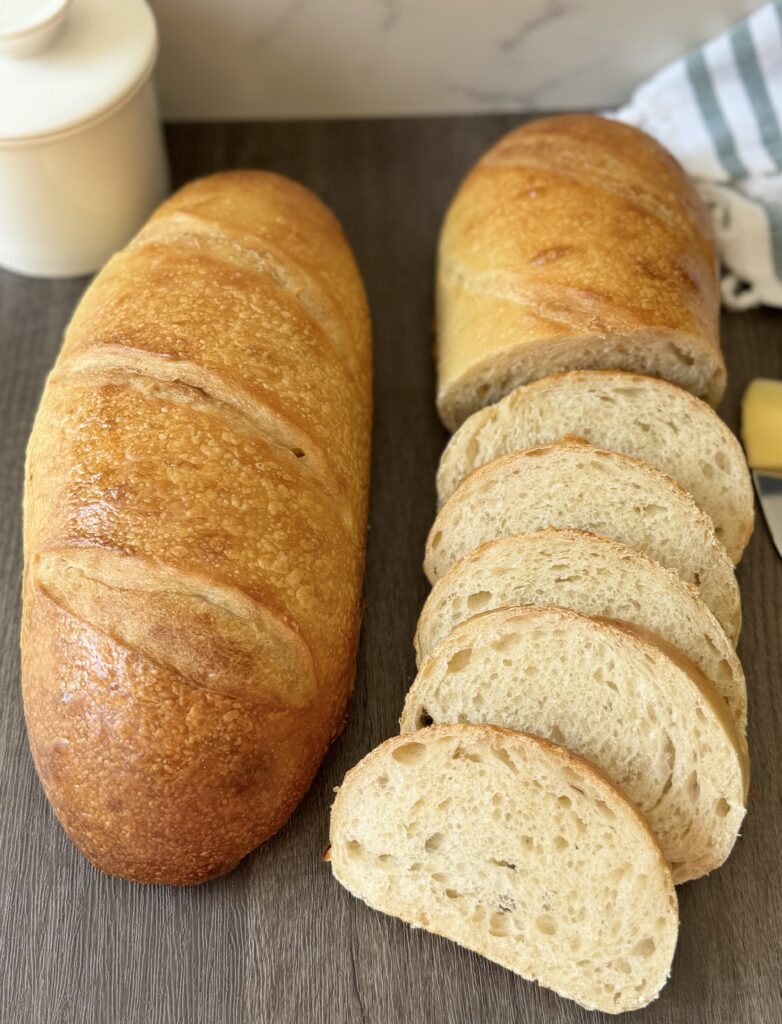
x=340, y=58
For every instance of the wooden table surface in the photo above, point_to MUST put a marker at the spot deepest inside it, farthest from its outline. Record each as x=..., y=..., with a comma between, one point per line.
x=279, y=940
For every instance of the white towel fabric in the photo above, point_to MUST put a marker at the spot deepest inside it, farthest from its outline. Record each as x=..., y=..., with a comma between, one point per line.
x=719, y=111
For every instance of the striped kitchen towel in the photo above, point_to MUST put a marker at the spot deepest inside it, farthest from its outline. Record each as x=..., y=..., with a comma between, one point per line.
x=719, y=111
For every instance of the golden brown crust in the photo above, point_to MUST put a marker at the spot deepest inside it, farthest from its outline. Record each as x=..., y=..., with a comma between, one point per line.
x=576, y=242
x=195, y=510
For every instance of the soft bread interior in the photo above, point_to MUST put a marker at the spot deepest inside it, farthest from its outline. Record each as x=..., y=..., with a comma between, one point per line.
x=624, y=412
x=515, y=849
x=589, y=574
x=611, y=693
x=571, y=484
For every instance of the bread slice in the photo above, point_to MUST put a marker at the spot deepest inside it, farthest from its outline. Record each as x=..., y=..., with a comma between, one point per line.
x=570, y=483
x=589, y=574
x=613, y=693
x=516, y=849
x=650, y=419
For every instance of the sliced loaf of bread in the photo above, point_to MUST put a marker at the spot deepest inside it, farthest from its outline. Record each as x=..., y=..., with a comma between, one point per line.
x=589, y=574
x=613, y=693
x=569, y=483
x=642, y=416
x=516, y=849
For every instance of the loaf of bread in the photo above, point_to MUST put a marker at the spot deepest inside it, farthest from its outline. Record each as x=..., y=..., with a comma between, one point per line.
x=569, y=483
x=195, y=515
x=612, y=693
x=589, y=574
x=625, y=412
x=576, y=242
x=516, y=849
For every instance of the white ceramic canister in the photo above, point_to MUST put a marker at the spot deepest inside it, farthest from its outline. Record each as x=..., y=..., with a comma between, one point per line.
x=82, y=160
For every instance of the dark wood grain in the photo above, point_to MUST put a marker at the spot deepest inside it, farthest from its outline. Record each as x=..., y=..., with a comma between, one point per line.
x=278, y=940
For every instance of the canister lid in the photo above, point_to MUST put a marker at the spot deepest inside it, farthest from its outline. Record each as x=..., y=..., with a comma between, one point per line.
x=64, y=62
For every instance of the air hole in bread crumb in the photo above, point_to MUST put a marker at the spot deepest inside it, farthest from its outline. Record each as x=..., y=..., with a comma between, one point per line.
x=722, y=810
x=460, y=660
x=499, y=924
x=460, y=754
x=504, y=642
x=560, y=843
x=604, y=809
x=570, y=776
x=424, y=719
x=644, y=948
x=502, y=863
x=504, y=758
x=564, y=801
x=452, y=894
x=555, y=735
x=353, y=848
x=434, y=842
x=298, y=452
x=477, y=602
x=436, y=539
x=382, y=781
x=471, y=452
x=681, y=355
x=620, y=964
x=409, y=753
x=721, y=461
x=546, y=924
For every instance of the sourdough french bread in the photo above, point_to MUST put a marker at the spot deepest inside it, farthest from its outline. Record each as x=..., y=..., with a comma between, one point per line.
x=613, y=693
x=569, y=483
x=589, y=574
x=516, y=849
x=576, y=242
x=641, y=416
x=195, y=513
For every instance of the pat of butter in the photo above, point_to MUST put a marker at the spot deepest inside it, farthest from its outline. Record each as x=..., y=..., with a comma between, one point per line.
x=761, y=423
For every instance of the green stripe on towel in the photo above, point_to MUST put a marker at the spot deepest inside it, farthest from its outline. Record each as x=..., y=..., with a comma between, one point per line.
x=774, y=215
x=700, y=80
x=757, y=91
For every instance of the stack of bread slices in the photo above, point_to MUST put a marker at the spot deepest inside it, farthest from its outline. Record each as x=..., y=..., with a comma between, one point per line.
x=573, y=744
x=583, y=593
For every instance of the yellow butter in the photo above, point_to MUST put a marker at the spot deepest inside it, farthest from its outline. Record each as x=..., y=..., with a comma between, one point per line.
x=761, y=423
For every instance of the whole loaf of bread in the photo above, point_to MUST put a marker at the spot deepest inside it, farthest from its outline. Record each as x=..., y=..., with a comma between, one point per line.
x=576, y=242
x=195, y=519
